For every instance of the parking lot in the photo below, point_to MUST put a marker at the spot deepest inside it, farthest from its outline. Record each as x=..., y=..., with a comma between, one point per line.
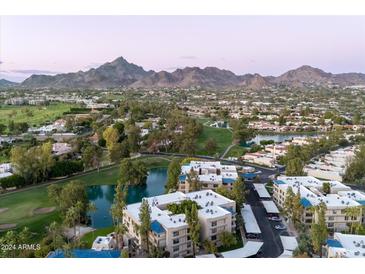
x=269, y=235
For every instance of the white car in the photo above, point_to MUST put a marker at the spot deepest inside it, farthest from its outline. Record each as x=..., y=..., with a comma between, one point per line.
x=280, y=227
x=276, y=219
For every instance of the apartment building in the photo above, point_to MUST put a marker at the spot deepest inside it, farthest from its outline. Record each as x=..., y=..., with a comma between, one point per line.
x=332, y=166
x=311, y=192
x=170, y=232
x=211, y=175
x=345, y=246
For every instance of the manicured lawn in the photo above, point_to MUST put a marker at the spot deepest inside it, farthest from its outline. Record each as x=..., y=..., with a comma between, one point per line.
x=41, y=114
x=89, y=238
x=21, y=205
x=222, y=136
x=236, y=151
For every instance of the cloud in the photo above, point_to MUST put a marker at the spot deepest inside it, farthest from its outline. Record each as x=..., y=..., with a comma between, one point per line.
x=189, y=57
x=33, y=71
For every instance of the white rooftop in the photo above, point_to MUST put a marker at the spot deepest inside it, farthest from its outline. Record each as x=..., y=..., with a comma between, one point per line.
x=250, y=249
x=353, y=194
x=261, y=191
x=353, y=246
x=210, y=202
x=289, y=243
x=270, y=207
x=250, y=222
x=210, y=171
x=310, y=188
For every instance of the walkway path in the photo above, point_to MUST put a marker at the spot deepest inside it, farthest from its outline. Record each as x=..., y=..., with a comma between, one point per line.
x=227, y=150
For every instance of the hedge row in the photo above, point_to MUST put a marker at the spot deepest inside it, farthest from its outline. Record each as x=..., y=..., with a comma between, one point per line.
x=12, y=181
x=65, y=168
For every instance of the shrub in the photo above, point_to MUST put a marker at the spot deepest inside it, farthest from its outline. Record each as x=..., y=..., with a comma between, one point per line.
x=12, y=181
x=66, y=167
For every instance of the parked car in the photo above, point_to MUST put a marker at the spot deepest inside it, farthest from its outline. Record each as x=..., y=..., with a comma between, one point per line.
x=280, y=227
x=274, y=218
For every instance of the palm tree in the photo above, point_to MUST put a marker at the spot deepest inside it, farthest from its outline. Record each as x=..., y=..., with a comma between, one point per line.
x=92, y=208
x=117, y=210
x=353, y=213
x=209, y=247
x=193, y=180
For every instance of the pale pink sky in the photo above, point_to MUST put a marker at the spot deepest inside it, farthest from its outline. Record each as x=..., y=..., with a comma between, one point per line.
x=269, y=45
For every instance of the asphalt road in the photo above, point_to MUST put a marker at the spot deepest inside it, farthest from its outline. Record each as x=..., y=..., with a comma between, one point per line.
x=272, y=247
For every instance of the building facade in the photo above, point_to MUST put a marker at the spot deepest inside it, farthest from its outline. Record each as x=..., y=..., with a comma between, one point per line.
x=211, y=175
x=170, y=232
x=340, y=198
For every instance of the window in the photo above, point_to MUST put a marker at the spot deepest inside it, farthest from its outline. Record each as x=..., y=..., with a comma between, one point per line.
x=213, y=238
x=214, y=230
x=334, y=211
x=175, y=241
x=330, y=224
x=188, y=245
x=175, y=233
x=214, y=223
x=331, y=218
x=176, y=249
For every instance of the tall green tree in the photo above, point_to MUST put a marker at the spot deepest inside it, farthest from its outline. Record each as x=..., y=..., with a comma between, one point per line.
x=117, y=212
x=133, y=172
x=145, y=226
x=241, y=132
x=91, y=156
x=173, y=173
x=193, y=180
x=355, y=171
x=319, y=231
x=288, y=203
x=192, y=220
x=211, y=146
x=295, y=167
x=111, y=136
x=239, y=192
x=354, y=213
x=227, y=239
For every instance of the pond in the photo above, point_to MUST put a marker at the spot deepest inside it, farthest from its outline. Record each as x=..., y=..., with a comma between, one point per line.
x=278, y=138
x=102, y=196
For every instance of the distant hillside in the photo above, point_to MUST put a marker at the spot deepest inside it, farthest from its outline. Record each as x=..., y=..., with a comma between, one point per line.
x=121, y=73
x=115, y=74
x=6, y=84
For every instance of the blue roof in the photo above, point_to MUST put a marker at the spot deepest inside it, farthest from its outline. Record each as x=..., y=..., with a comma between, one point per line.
x=334, y=243
x=157, y=227
x=278, y=182
x=182, y=178
x=229, y=209
x=305, y=202
x=86, y=253
x=228, y=180
x=361, y=202
x=249, y=175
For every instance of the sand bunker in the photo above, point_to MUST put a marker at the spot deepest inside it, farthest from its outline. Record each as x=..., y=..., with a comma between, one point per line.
x=3, y=209
x=7, y=226
x=43, y=210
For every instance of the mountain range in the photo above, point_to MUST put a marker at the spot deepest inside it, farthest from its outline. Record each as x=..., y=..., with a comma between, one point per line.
x=7, y=84
x=121, y=73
